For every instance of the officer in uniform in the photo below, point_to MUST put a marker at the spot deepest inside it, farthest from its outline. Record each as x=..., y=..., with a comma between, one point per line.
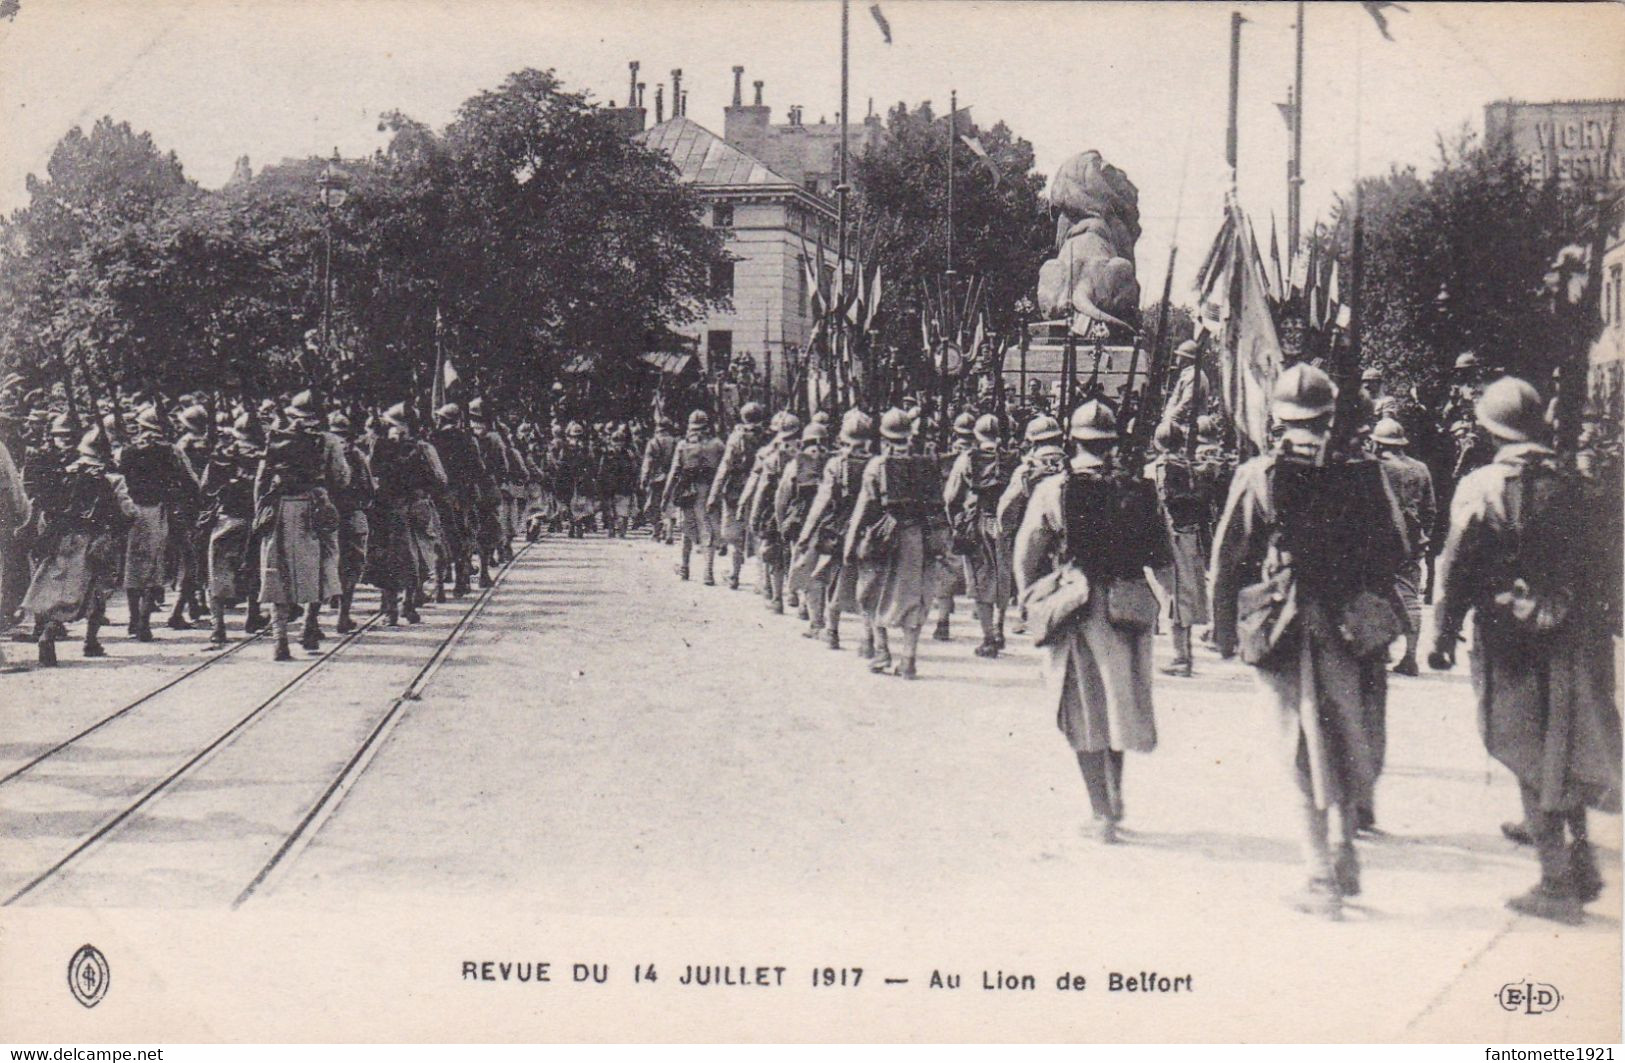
x=1101, y=524
x=1523, y=554
x=1412, y=485
x=757, y=500
x=976, y=481
x=1302, y=583
x=824, y=531
x=695, y=462
x=188, y=534
x=898, y=537
x=1187, y=510
x=353, y=501
x=738, y=458
x=470, y=489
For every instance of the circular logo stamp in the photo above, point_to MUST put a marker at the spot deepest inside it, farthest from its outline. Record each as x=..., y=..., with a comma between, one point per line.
x=88, y=975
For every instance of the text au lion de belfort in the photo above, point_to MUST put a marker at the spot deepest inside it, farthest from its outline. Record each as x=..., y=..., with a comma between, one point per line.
x=777, y=976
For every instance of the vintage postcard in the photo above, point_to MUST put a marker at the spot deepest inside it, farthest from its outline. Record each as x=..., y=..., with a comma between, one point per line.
x=810, y=520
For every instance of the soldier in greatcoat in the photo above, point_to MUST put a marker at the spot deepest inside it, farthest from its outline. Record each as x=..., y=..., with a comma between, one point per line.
x=757, y=500
x=578, y=478
x=1187, y=511
x=1526, y=554
x=694, y=463
x=469, y=486
x=738, y=458
x=353, y=501
x=294, y=515
x=228, y=494
x=976, y=481
x=163, y=489
x=406, y=480
x=898, y=536
x=1102, y=523
x=823, y=532
x=79, y=534
x=1412, y=485
x=652, y=478
x=618, y=481
x=792, y=501
x=1302, y=582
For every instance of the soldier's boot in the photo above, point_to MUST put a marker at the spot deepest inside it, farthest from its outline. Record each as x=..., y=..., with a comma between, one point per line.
x=941, y=632
x=1180, y=666
x=440, y=586
x=1318, y=897
x=345, y=624
x=279, y=628
x=881, y=662
x=390, y=607
x=1346, y=871
x=736, y=566
x=177, y=616
x=143, y=630
x=710, y=567
x=255, y=621
x=93, y=645
x=1407, y=663
x=866, y=645
x=460, y=578
x=217, y=625
x=989, y=646
x=1583, y=874
x=409, y=605
x=812, y=605
x=688, y=554
x=486, y=564
x=47, y=647
x=1096, y=770
x=133, y=600
x=998, y=627
x=310, y=638
x=911, y=646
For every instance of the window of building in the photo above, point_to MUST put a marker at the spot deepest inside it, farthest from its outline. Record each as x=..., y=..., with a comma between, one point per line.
x=722, y=216
x=719, y=348
x=811, y=185
x=722, y=280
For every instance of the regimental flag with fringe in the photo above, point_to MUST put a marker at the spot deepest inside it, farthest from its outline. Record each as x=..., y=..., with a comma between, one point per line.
x=1234, y=305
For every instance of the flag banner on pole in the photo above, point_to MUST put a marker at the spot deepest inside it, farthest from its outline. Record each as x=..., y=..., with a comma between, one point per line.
x=1213, y=279
x=1277, y=285
x=1250, y=356
x=1334, y=300
x=1374, y=8
x=880, y=20
x=874, y=298
x=449, y=376
x=1299, y=281
x=854, y=306
x=975, y=145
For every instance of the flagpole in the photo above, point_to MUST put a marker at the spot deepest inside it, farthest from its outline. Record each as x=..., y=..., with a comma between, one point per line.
x=1232, y=132
x=841, y=191
x=1294, y=184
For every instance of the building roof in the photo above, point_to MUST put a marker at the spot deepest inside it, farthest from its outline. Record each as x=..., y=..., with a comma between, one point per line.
x=704, y=158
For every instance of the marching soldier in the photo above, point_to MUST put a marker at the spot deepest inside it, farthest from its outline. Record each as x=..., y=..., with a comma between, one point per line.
x=758, y=502
x=404, y=479
x=161, y=486
x=1458, y=421
x=1412, y=485
x=792, y=501
x=1302, y=583
x=1520, y=555
x=738, y=458
x=1187, y=510
x=618, y=481
x=293, y=517
x=695, y=461
x=951, y=580
x=652, y=477
x=897, y=537
x=1044, y=458
x=976, y=481
x=228, y=493
x=576, y=478
x=79, y=536
x=469, y=489
x=1098, y=524
x=494, y=458
x=823, y=533
x=189, y=533
x=353, y=501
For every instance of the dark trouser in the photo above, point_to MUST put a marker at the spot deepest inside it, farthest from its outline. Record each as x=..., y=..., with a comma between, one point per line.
x=1103, y=776
x=1547, y=828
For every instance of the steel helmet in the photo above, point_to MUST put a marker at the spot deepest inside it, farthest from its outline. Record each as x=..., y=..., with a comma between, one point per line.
x=1466, y=360
x=896, y=425
x=987, y=428
x=965, y=424
x=1371, y=376
x=1510, y=409
x=857, y=426
x=1389, y=433
x=699, y=419
x=752, y=413
x=1042, y=429
x=789, y=424
x=1093, y=421
x=815, y=433
x=1302, y=393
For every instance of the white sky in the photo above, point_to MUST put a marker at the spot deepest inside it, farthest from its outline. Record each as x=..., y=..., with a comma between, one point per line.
x=1145, y=83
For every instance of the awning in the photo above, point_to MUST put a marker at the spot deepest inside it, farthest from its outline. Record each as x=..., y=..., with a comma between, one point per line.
x=672, y=363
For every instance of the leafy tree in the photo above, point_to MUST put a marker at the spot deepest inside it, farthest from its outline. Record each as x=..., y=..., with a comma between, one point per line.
x=1001, y=231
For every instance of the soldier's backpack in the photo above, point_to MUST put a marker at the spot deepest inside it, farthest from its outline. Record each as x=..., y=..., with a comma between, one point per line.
x=1532, y=585
x=694, y=472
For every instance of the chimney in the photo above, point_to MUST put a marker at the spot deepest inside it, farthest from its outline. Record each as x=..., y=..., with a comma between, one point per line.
x=632, y=86
x=758, y=85
x=739, y=86
x=660, y=104
x=685, y=103
x=676, y=92
x=640, y=95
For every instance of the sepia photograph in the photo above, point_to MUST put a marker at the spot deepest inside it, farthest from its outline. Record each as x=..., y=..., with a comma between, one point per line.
x=811, y=521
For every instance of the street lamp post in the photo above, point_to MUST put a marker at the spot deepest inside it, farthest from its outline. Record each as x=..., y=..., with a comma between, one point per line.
x=333, y=192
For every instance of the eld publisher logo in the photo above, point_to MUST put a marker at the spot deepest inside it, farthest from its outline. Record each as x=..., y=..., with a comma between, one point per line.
x=1531, y=998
